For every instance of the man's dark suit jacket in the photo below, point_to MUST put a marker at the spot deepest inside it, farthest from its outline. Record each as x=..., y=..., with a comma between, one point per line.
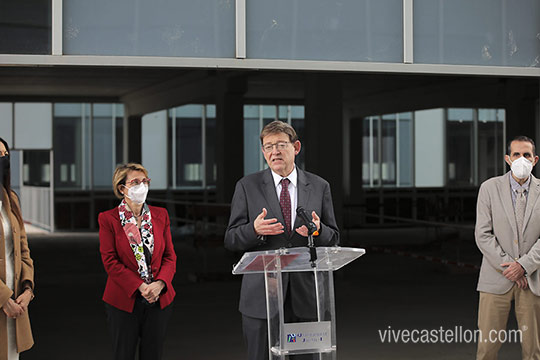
x=257, y=191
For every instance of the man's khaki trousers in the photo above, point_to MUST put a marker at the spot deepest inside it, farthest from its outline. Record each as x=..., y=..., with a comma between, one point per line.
x=493, y=313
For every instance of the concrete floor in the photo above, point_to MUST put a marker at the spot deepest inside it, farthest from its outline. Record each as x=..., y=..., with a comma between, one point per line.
x=377, y=291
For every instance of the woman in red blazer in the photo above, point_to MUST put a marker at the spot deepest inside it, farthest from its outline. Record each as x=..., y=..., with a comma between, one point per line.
x=139, y=258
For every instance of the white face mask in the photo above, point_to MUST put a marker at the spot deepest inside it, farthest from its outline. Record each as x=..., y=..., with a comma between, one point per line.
x=521, y=168
x=138, y=193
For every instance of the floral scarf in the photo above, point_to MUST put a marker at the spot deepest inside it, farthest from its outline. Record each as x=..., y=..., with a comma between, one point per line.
x=138, y=240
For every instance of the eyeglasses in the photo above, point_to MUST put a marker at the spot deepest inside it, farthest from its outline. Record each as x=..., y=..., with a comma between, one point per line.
x=4, y=153
x=282, y=145
x=136, y=182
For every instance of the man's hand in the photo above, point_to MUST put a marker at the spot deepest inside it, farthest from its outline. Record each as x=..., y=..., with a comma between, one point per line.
x=264, y=226
x=514, y=270
x=24, y=299
x=12, y=309
x=302, y=230
x=522, y=282
x=271, y=285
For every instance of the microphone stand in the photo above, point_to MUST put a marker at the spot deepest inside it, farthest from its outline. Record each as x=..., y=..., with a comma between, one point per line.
x=311, y=246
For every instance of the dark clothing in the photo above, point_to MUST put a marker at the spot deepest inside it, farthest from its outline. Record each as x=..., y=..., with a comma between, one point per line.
x=256, y=334
x=146, y=325
x=252, y=194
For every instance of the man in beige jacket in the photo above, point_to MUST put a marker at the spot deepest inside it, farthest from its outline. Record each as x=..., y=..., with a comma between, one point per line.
x=507, y=233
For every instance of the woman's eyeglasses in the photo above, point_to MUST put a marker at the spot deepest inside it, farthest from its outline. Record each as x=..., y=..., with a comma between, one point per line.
x=136, y=182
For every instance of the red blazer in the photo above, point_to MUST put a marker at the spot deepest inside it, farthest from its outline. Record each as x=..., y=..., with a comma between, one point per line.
x=123, y=278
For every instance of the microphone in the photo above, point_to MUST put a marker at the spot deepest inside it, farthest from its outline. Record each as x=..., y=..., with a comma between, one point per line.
x=312, y=228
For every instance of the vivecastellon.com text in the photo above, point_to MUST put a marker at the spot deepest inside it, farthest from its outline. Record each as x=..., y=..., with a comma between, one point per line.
x=443, y=335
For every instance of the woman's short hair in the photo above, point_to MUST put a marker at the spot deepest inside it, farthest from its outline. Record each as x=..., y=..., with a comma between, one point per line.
x=121, y=173
x=276, y=127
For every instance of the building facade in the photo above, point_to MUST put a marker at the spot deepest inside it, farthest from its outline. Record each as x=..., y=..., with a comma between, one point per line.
x=404, y=106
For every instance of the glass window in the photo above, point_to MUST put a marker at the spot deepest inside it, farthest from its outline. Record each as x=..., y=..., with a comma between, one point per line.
x=284, y=113
x=480, y=32
x=405, y=149
x=388, y=150
x=370, y=146
x=71, y=140
x=188, y=164
x=297, y=120
x=192, y=130
x=358, y=30
x=421, y=149
x=6, y=122
x=33, y=126
x=25, y=27
x=375, y=123
x=15, y=167
x=154, y=147
x=367, y=140
x=102, y=145
x=88, y=144
x=269, y=114
x=460, y=145
x=36, y=167
x=429, y=134
x=159, y=28
x=119, y=133
x=491, y=144
x=388, y=153
x=252, y=146
x=210, y=141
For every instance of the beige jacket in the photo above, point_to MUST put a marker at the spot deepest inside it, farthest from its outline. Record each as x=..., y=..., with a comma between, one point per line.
x=497, y=238
x=24, y=271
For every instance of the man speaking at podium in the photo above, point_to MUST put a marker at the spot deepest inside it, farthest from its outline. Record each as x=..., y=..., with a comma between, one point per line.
x=263, y=217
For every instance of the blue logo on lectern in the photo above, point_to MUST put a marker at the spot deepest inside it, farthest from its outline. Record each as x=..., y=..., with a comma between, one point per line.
x=291, y=338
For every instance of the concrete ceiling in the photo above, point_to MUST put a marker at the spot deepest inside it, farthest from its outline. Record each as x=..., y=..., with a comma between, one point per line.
x=149, y=89
x=75, y=83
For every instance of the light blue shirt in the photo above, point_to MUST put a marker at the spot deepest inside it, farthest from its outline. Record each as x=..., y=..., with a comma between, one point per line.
x=514, y=185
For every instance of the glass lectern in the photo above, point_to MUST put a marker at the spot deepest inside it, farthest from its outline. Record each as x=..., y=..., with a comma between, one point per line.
x=308, y=337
